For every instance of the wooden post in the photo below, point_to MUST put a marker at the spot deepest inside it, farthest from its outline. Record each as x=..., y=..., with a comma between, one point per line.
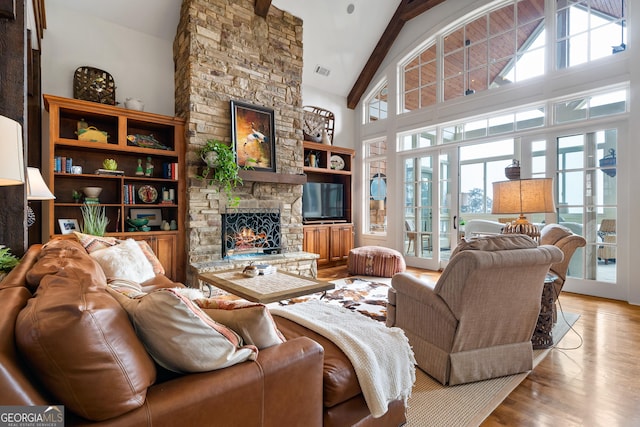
x=13, y=229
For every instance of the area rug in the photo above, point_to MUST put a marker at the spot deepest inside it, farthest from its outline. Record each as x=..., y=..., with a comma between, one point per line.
x=431, y=403
x=367, y=295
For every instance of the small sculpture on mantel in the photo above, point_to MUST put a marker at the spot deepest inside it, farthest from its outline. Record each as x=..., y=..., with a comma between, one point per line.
x=139, y=170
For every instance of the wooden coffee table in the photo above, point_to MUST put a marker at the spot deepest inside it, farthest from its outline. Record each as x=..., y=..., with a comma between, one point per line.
x=273, y=287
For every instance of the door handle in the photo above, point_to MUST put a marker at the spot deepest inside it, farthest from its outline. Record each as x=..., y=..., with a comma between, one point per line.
x=455, y=222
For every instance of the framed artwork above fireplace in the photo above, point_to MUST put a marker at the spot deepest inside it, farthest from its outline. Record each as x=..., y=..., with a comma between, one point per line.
x=254, y=136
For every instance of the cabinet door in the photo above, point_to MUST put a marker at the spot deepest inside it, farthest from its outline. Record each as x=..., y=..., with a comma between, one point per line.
x=316, y=240
x=341, y=242
x=164, y=246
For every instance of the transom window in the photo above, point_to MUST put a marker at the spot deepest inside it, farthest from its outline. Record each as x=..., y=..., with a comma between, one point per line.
x=507, y=45
x=588, y=29
x=377, y=104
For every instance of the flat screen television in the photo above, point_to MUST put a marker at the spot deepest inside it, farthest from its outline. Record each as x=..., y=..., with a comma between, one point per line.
x=322, y=200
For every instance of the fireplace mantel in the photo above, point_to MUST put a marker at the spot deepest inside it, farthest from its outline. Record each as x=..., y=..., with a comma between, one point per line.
x=272, y=177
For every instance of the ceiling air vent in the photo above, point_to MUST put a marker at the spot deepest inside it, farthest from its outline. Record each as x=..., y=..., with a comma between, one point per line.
x=323, y=71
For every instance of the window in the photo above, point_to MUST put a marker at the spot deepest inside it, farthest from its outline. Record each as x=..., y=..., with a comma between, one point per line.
x=376, y=169
x=417, y=139
x=377, y=105
x=587, y=30
x=598, y=105
x=420, y=80
x=500, y=47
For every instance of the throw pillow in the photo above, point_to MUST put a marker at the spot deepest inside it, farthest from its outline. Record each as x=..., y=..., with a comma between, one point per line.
x=252, y=321
x=180, y=336
x=124, y=261
x=151, y=257
x=80, y=343
x=95, y=243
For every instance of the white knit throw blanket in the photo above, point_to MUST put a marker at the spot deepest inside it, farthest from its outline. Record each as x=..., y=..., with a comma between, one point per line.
x=381, y=356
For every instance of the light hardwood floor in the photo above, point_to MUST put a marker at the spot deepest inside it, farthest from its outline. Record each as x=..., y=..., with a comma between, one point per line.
x=593, y=382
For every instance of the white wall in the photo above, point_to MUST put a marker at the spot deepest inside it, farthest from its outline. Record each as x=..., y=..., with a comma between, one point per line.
x=344, y=130
x=141, y=65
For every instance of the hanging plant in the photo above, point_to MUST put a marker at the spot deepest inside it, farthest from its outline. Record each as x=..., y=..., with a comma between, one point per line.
x=221, y=168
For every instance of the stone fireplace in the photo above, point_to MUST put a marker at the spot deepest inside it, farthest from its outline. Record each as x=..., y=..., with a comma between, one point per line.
x=223, y=51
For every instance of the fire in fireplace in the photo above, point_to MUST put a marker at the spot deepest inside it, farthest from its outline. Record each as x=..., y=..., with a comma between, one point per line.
x=250, y=231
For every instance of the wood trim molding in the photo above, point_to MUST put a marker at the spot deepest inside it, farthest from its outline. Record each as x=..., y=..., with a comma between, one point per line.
x=262, y=7
x=407, y=10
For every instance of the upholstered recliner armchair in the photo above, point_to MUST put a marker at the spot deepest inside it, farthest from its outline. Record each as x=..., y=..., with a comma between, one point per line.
x=567, y=242
x=477, y=321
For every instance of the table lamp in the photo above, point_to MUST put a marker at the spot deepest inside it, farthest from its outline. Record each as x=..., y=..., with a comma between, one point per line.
x=521, y=196
x=11, y=161
x=36, y=190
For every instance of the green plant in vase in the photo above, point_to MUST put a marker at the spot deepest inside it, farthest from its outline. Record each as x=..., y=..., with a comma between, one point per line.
x=221, y=168
x=95, y=219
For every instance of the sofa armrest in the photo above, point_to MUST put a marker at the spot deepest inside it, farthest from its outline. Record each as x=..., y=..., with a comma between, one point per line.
x=282, y=387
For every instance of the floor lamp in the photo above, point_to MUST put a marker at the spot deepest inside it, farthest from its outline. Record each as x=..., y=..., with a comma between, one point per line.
x=523, y=196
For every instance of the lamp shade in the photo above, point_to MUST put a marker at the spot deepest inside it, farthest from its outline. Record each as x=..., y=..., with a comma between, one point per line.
x=11, y=161
x=36, y=187
x=522, y=196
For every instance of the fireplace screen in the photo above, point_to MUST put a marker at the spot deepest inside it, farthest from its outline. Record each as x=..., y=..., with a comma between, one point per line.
x=250, y=231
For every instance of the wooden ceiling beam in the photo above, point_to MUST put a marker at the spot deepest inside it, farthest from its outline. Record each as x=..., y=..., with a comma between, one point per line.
x=407, y=10
x=262, y=7
x=413, y=8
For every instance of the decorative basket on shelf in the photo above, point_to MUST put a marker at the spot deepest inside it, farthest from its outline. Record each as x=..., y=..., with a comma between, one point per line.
x=317, y=121
x=93, y=84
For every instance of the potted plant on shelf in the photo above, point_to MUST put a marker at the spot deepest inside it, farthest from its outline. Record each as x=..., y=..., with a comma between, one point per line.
x=220, y=161
x=94, y=219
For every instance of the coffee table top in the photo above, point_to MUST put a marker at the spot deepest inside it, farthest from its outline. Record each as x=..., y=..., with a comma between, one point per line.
x=266, y=288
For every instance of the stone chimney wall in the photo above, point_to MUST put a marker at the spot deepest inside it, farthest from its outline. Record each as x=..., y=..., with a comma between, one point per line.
x=223, y=51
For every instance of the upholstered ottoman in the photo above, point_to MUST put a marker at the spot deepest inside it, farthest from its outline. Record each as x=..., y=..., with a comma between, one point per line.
x=375, y=261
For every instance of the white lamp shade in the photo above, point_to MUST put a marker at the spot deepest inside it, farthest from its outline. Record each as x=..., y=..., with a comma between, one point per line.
x=36, y=187
x=11, y=160
x=522, y=196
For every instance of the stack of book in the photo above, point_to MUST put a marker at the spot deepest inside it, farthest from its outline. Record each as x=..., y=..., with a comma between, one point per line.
x=264, y=269
x=91, y=201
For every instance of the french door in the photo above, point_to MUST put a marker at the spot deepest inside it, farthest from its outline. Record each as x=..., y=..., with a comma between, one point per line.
x=587, y=201
x=430, y=207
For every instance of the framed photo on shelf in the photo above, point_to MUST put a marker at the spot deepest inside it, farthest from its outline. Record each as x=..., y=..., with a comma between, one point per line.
x=254, y=136
x=153, y=215
x=68, y=226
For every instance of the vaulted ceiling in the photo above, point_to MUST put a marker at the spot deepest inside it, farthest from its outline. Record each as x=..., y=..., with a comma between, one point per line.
x=347, y=38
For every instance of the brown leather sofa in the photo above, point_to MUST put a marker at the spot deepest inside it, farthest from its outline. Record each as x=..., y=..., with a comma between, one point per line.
x=101, y=373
